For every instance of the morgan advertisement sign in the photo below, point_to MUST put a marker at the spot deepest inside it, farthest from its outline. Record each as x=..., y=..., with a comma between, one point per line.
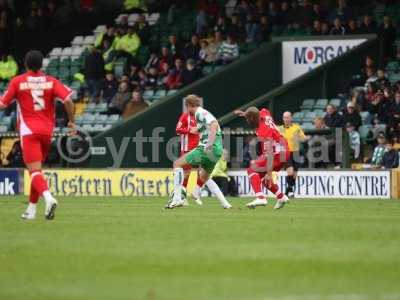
x=299, y=57
x=328, y=184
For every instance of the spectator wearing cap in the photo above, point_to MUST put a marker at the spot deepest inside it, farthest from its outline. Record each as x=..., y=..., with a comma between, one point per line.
x=390, y=159
x=355, y=141
x=351, y=115
x=332, y=118
x=379, y=151
x=191, y=73
x=228, y=51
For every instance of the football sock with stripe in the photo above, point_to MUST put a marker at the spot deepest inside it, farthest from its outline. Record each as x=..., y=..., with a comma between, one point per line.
x=214, y=188
x=178, y=181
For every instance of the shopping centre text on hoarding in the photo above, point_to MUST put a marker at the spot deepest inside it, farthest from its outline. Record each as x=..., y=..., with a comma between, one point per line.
x=330, y=184
x=299, y=57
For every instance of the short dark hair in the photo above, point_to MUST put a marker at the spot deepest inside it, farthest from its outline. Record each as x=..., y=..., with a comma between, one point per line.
x=34, y=60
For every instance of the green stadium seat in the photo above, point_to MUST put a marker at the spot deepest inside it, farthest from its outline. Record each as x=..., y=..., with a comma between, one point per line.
x=3, y=129
x=336, y=102
x=79, y=120
x=309, y=116
x=208, y=70
x=218, y=68
x=298, y=117
x=364, y=131
x=90, y=108
x=112, y=119
x=159, y=94
x=307, y=104
x=364, y=115
x=171, y=92
x=148, y=94
x=88, y=118
x=319, y=113
x=100, y=119
x=101, y=108
x=321, y=104
x=307, y=126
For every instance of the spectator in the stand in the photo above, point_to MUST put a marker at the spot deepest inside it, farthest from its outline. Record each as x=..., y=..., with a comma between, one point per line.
x=230, y=7
x=390, y=159
x=152, y=62
x=382, y=80
x=273, y=13
x=213, y=48
x=118, y=102
x=352, y=27
x=317, y=28
x=355, y=141
x=203, y=52
x=192, y=49
x=318, y=13
x=370, y=76
x=142, y=27
x=342, y=11
x=135, y=105
x=325, y=28
x=134, y=75
x=201, y=22
x=388, y=34
x=236, y=27
x=165, y=59
x=174, y=77
x=380, y=107
x=228, y=51
x=260, y=8
x=337, y=28
x=152, y=78
x=306, y=14
x=394, y=118
x=221, y=25
x=368, y=26
x=284, y=14
x=265, y=29
x=142, y=80
x=129, y=44
x=191, y=73
x=94, y=74
x=174, y=46
x=379, y=151
x=110, y=88
x=351, y=116
x=252, y=29
x=332, y=118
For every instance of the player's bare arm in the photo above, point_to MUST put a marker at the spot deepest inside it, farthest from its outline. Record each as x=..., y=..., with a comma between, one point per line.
x=213, y=133
x=70, y=109
x=239, y=113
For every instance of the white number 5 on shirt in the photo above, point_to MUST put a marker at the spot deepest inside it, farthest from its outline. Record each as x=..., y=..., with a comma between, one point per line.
x=38, y=101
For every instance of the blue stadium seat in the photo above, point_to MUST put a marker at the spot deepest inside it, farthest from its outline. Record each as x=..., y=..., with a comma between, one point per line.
x=307, y=104
x=321, y=104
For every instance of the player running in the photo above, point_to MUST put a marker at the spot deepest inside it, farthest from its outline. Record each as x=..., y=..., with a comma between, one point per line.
x=273, y=157
x=205, y=155
x=189, y=136
x=35, y=94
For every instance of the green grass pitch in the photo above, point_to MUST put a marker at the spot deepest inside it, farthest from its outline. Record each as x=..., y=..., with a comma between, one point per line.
x=130, y=248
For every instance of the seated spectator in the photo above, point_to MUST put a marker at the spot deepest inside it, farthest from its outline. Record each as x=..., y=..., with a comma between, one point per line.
x=213, y=48
x=110, y=88
x=317, y=28
x=252, y=28
x=153, y=61
x=342, y=11
x=175, y=49
x=222, y=179
x=318, y=13
x=273, y=13
x=394, y=118
x=337, y=28
x=368, y=26
x=165, y=58
x=220, y=26
x=352, y=27
x=378, y=152
x=380, y=107
x=355, y=141
x=236, y=28
x=191, y=73
x=390, y=159
x=118, y=102
x=228, y=51
x=325, y=28
x=192, y=49
x=152, y=78
x=203, y=52
x=382, y=80
x=332, y=118
x=351, y=116
x=370, y=76
x=284, y=13
x=129, y=44
x=265, y=29
x=174, y=78
x=142, y=80
x=135, y=105
x=388, y=34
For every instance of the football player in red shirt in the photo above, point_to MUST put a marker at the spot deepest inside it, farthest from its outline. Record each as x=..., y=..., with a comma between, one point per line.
x=274, y=155
x=35, y=94
x=189, y=136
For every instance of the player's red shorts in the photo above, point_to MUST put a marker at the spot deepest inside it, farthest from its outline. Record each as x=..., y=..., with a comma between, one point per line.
x=264, y=164
x=35, y=147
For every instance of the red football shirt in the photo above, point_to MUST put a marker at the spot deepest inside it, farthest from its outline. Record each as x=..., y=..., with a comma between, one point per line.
x=269, y=133
x=35, y=93
x=189, y=141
